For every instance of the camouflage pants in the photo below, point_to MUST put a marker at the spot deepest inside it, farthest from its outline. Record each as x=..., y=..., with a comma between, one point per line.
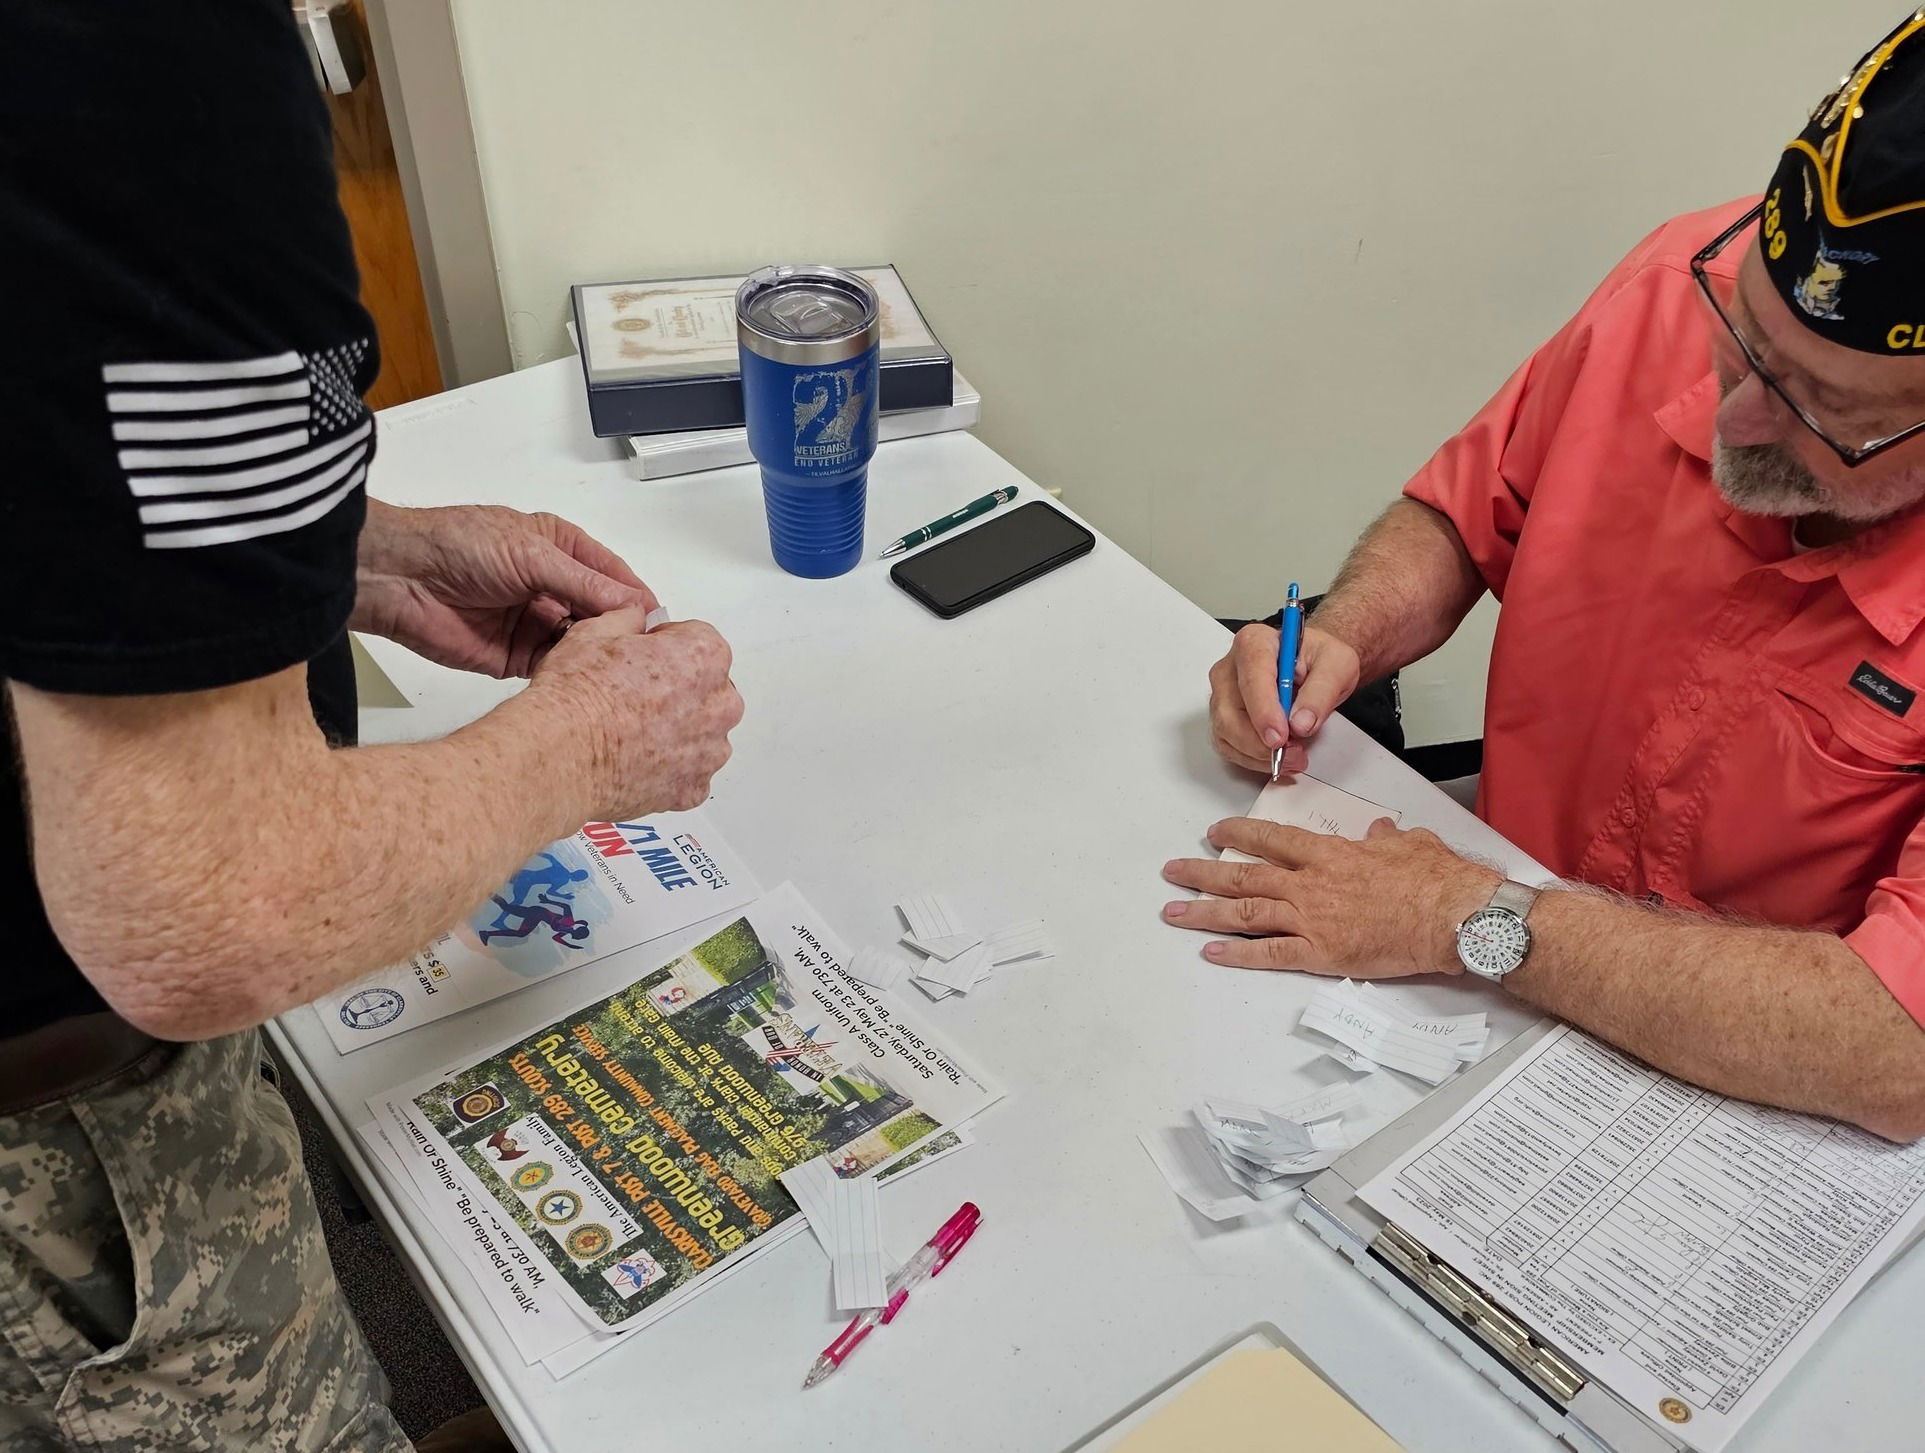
x=163, y=1281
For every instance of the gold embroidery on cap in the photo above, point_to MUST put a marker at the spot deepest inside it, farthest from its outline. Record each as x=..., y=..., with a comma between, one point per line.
x=1847, y=93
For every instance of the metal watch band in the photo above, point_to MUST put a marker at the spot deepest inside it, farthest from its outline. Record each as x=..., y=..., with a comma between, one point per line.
x=1518, y=898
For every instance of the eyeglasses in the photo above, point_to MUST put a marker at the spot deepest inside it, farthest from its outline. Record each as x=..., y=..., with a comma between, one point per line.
x=1832, y=425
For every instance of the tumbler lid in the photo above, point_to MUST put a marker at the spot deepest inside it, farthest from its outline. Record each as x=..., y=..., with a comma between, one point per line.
x=807, y=315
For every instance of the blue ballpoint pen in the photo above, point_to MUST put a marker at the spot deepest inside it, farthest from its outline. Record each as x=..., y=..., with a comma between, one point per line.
x=1289, y=642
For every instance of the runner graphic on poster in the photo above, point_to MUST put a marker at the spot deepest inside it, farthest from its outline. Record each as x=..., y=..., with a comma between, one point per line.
x=637, y=1143
x=609, y=887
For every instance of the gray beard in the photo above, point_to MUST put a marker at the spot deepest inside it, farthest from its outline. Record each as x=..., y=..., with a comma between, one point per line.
x=1764, y=479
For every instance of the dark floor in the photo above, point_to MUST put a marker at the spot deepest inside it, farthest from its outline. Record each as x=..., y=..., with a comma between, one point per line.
x=430, y=1384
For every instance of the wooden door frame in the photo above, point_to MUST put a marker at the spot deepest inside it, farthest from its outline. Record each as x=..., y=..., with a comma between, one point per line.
x=419, y=59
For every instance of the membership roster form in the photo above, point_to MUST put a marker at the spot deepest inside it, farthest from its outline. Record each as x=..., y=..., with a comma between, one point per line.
x=1682, y=1248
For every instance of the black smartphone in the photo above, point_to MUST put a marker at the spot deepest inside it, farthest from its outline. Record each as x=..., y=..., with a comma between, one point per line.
x=992, y=559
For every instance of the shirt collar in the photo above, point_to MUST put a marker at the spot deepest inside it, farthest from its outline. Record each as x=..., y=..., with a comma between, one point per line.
x=1879, y=570
x=1691, y=418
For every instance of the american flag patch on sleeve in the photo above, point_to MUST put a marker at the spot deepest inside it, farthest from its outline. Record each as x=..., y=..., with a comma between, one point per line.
x=220, y=452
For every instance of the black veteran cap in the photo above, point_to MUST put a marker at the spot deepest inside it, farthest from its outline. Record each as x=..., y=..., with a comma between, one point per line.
x=1843, y=232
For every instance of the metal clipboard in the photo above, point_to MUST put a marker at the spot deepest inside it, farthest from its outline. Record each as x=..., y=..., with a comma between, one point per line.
x=1552, y=1388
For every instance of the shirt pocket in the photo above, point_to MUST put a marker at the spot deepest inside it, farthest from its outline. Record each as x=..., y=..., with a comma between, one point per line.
x=1832, y=807
x=1842, y=733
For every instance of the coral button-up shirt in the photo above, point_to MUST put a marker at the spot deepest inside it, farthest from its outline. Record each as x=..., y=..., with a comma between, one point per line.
x=1680, y=703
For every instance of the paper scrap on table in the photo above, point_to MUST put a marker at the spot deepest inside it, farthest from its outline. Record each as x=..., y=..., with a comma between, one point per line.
x=1370, y=1029
x=1020, y=942
x=961, y=973
x=1235, y=1156
x=944, y=948
x=1314, y=806
x=954, y=959
x=929, y=916
x=1258, y=1146
x=843, y=1213
x=1183, y=1155
x=878, y=968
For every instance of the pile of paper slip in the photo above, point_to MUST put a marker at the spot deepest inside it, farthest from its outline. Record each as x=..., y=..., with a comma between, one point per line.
x=949, y=958
x=1371, y=1029
x=1237, y=1156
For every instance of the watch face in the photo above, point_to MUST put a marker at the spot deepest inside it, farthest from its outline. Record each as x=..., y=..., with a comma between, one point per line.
x=1493, y=941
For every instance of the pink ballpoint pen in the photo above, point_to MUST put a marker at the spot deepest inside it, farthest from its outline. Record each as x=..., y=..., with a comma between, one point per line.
x=928, y=1262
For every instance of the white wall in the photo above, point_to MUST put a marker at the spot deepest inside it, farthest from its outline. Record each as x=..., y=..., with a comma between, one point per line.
x=1226, y=271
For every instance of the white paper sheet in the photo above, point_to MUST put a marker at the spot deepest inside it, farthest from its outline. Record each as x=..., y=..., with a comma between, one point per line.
x=1314, y=806
x=929, y=916
x=961, y=973
x=1182, y=1153
x=945, y=948
x=1257, y=1146
x=1677, y=1244
x=1359, y=1023
x=1466, y=1034
x=1320, y=1104
x=1236, y=1155
x=843, y=1214
x=878, y=968
x=1021, y=942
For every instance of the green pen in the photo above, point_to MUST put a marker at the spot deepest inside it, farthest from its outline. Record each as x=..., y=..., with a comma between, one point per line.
x=949, y=522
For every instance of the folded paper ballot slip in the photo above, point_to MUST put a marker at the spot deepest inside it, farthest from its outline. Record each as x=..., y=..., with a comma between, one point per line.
x=660, y=356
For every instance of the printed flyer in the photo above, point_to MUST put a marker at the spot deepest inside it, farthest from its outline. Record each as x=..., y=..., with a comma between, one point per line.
x=634, y=1146
x=609, y=887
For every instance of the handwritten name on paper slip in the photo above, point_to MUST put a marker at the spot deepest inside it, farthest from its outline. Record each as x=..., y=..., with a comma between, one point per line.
x=1371, y=1028
x=1683, y=1248
x=1315, y=807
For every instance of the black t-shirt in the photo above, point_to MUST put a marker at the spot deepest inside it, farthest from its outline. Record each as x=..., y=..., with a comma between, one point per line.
x=184, y=441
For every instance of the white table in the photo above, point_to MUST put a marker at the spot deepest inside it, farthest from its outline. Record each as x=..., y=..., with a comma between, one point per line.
x=1042, y=755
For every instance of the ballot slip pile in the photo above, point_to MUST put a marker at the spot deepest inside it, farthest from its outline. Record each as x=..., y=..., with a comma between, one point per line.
x=1234, y=1156
x=596, y=1172
x=945, y=956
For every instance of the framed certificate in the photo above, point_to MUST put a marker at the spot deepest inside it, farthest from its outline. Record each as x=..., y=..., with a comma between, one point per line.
x=661, y=356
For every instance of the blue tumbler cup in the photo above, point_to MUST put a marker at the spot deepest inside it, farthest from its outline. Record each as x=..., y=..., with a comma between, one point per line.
x=810, y=340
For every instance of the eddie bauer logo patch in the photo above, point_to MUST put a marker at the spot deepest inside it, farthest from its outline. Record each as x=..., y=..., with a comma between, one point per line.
x=1869, y=682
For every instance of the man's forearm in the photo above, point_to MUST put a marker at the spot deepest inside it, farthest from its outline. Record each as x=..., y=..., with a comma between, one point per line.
x=216, y=888
x=1405, y=587
x=1773, y=1015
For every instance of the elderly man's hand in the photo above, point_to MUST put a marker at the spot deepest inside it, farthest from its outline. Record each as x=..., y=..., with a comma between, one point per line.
x=484, y=588
x=1245, y=720
x=1377, y=909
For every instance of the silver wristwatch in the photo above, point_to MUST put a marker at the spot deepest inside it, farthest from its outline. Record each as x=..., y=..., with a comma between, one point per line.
x=1494, y=940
